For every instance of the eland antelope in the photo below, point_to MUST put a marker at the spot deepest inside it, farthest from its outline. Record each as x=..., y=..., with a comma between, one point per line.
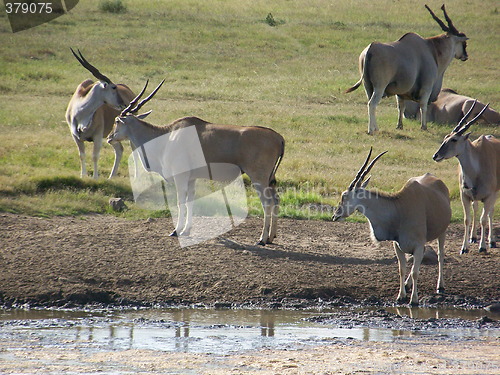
x=420, y=212
x=256, y=151
x=412, y=68
x=479, y=176
x=91, y=113
x=450, y=108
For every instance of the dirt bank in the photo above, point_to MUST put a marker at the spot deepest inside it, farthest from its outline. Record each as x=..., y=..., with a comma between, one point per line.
x=68, y=260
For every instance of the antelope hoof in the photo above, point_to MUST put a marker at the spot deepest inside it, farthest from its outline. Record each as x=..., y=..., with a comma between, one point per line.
x=399, y=127
x=464, y=251
x=482, y=250
x=440, y=291
x=414, y=304
x=423, y=128
x=493, y=245
x=173, y=234
x=261, y=243
x=473, y=240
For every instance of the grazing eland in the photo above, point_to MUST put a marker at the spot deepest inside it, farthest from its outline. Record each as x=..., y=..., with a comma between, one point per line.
x=256, y=151
x=450, y=108
x=479, y=176
x=420, y=212
x=91, y=114
x=412, y=68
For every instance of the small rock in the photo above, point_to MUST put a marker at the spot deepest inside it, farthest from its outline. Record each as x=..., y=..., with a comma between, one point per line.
x=485, y=320
x=117, y=204
x=222, y=305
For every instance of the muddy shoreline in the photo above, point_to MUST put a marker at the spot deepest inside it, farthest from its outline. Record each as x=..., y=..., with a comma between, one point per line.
x=107, y=344
x=99, y=260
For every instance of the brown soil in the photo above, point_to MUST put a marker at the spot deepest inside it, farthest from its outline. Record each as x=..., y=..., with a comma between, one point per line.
x=105, y=259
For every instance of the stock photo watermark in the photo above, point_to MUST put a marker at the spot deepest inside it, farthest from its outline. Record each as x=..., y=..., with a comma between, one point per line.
x=26, y=14
x=354, y=201
x=205, y=200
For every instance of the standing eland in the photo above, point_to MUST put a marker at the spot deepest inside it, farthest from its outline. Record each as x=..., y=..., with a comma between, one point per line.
x=254, y=150
x=479, y=176
x=412, y=68
x=91, y=113
x=420, y=212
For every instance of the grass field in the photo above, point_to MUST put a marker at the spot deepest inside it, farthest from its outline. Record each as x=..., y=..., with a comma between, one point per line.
x=230, y=62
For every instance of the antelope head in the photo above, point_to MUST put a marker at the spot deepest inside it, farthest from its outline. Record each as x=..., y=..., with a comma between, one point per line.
x=106, y=89
x=451, y=30
x=351, y=198
x=454, y=143
x=128, y=115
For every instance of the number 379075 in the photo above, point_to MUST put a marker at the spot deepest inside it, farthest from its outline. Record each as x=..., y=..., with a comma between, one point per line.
x=28, y=8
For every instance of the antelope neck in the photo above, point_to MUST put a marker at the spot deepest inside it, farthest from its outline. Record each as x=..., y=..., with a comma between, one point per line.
x=382, y=212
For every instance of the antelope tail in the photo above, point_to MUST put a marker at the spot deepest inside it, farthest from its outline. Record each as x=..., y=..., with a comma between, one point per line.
x=356, y=85
x=272, y=178
x=365, y=76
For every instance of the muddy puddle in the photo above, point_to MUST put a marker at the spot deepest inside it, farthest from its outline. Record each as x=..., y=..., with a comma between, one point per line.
x=229, y=331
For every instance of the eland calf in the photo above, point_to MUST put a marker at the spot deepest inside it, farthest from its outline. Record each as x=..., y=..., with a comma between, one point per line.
x=420, y=212
x=479, y=176
x=256, y=151
x=412, y=68
x=91, y=113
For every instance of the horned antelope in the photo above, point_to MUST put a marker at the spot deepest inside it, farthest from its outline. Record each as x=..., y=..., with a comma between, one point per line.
x=91, y=113
x=420, y=212
x=412, y=68
x=479, y=176
x=450, y=107
x=256, y=151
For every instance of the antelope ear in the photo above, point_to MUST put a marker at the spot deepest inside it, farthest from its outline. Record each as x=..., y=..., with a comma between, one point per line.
x=365, y=183
x=144, y=115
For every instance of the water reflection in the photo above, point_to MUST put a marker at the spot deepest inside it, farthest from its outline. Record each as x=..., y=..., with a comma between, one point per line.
x=267, y=321
x=195, y=330
x=439, y=313
x=182, y=316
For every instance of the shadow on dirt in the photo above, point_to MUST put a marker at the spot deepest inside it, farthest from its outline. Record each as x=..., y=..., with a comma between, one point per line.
x=273, y=252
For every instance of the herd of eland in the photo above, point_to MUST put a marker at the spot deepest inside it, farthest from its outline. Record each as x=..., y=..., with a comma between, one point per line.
x=411, y=68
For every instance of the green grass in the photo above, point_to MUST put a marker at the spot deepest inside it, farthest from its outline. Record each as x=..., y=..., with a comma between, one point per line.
x=225, y=62
x=112, y=6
